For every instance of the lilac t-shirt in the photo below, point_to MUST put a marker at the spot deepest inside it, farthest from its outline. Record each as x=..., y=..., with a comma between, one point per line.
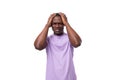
x=59, y=58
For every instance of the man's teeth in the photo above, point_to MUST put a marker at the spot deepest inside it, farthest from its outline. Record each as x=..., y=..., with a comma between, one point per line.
x=56, y=30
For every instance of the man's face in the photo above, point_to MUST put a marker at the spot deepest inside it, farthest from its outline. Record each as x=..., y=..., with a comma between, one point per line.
x=57, y=25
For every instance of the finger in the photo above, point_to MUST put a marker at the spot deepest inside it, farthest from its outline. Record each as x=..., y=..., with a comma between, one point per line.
x=53, y=14
x=61, y=14
x=50, y=19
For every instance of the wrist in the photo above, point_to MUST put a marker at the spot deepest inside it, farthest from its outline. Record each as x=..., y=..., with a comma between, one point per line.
x=48, y=25
x=66, y=24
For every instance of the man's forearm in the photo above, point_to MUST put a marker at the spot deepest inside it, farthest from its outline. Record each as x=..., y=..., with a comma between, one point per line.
x=73, y=36
x=40, y=42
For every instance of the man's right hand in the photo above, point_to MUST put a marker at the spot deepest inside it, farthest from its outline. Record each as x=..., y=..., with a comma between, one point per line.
x=49, y=23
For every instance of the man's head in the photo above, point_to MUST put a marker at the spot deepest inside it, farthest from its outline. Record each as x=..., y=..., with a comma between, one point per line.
x=57, y=25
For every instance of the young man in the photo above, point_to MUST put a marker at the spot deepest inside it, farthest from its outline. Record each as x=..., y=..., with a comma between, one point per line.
x=59, y=48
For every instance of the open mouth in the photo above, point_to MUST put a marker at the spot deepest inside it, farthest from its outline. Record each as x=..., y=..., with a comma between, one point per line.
x=57, y=30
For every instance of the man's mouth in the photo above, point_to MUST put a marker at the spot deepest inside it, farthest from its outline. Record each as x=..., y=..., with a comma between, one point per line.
x=57, y=30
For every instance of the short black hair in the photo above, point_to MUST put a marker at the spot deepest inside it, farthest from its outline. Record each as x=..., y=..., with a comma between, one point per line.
x=57, y=14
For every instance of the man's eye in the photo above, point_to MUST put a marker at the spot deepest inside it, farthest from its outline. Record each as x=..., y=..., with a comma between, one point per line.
x=54, y=23
x=60, y=23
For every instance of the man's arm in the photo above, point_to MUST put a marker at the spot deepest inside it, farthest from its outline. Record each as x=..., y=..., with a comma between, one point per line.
x=74, y=38
x=40, y=42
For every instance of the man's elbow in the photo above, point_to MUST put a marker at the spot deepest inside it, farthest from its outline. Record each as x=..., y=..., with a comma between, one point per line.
x=38, y=47
x=77, y=44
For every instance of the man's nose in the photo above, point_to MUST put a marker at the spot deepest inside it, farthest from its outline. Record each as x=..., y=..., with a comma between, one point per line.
x=57, y=25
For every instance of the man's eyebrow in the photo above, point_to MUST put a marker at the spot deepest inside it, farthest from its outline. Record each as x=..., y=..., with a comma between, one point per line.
x=58, y=22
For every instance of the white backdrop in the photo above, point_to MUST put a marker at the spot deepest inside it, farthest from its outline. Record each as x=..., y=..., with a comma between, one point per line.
x=96, y=21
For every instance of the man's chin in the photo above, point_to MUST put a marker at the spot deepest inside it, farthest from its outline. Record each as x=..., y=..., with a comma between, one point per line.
x=56, y=33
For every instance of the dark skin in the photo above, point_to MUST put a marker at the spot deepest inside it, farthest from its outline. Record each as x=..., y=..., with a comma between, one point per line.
x=57, y=23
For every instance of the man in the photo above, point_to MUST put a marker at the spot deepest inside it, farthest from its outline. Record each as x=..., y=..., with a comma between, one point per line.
x=59, y=47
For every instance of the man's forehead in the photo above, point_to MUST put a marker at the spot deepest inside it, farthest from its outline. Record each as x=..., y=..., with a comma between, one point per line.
x=57, y=17
x=57, y=20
